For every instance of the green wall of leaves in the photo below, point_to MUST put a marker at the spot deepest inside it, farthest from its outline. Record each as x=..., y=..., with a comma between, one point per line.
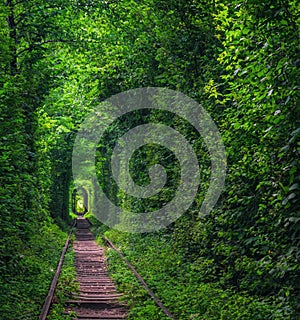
x=240, y=60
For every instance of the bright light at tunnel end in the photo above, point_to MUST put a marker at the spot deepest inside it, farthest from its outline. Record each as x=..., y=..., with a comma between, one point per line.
x=110, y=110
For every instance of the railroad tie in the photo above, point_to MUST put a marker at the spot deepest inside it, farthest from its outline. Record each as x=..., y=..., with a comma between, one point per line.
x=97, y=297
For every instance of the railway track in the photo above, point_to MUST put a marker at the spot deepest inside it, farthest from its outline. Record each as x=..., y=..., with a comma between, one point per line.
x=97, y=297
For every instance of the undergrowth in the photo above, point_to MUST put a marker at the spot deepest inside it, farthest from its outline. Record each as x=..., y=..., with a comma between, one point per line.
x=66, y=287
x=24, y=290
x=180, y=285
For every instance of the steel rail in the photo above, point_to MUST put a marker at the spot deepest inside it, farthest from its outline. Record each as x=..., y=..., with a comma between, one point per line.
x=49, y=298
x=142, y=281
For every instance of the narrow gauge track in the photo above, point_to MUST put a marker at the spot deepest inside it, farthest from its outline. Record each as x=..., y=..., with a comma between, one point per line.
x=97, y=297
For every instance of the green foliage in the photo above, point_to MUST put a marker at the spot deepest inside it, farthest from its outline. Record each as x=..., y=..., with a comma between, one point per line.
x=240, y=60
x=140, y=304
x=65, y=289
x=183, y=287
x=28, y=273
x=249, y=81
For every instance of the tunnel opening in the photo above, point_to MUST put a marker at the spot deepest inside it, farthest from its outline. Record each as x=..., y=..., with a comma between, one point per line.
x=80, y=201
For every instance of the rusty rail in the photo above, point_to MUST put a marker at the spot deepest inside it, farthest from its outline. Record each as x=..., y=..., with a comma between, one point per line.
x=142, y=281
x=48, y=300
